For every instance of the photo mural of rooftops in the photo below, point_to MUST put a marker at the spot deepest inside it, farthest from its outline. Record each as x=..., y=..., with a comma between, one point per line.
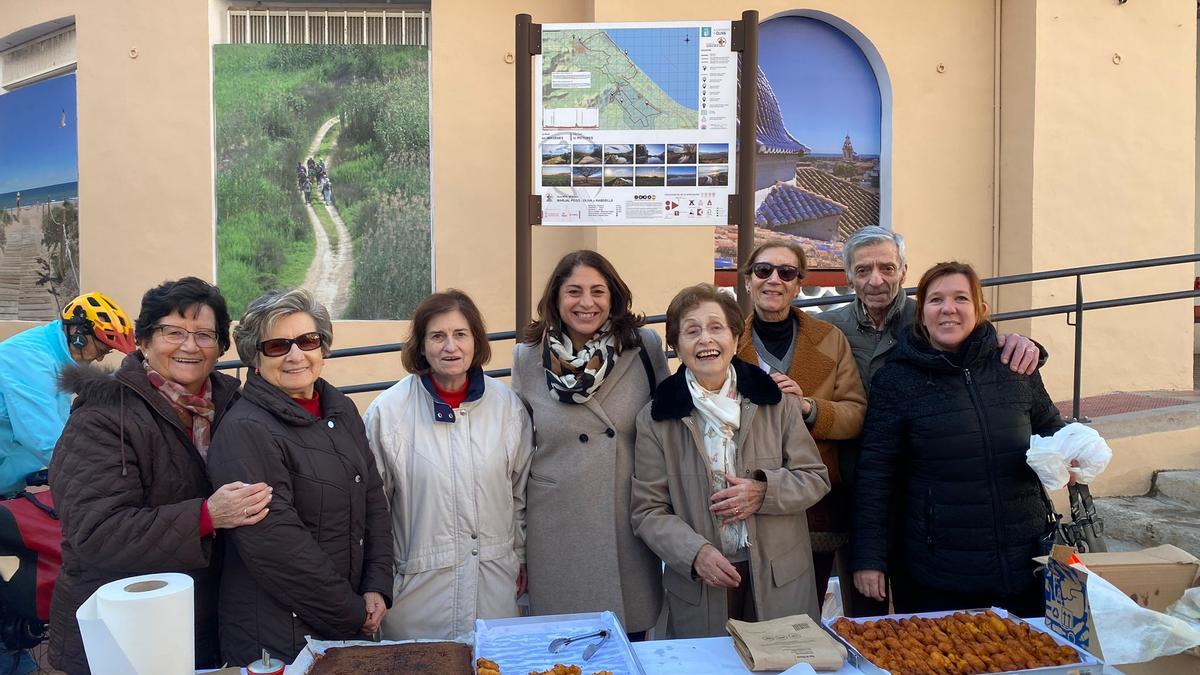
x=817, y=158
x=320, y=149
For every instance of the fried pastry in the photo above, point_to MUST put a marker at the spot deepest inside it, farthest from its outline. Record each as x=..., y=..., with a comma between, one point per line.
x=959, y=644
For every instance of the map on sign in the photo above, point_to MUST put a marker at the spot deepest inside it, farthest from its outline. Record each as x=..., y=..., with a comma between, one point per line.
x=636, y=123
x=621, y=78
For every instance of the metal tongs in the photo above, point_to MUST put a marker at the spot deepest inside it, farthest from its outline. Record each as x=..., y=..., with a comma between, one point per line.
x=557, y=644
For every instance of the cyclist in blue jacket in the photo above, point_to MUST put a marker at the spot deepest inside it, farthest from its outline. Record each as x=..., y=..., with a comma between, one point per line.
x=32, y=409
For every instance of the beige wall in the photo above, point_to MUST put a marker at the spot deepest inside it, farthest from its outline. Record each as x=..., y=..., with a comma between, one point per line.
x=1113, y=178
x=1097, y=161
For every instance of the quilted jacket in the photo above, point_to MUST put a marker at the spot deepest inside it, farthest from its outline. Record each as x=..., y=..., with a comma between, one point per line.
x=950, y=432
x=328, y=538
x=128, y=484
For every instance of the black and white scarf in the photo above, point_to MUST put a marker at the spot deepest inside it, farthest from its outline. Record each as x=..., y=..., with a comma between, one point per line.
x=574, y=376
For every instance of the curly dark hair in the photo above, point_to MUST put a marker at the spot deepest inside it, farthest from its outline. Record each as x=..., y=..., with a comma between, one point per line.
x=624, y=321
x=183, y=296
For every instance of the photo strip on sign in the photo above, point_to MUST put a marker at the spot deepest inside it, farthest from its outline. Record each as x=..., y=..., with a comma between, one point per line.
x=636, y=123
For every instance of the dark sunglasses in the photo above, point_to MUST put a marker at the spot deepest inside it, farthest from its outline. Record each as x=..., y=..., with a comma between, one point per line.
x=281, y=346
x=763, y=270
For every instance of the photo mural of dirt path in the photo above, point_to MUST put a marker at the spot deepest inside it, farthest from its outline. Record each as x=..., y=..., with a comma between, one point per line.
x=20, y=297
x=332, y=267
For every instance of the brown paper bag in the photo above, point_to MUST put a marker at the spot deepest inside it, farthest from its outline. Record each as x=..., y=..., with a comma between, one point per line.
x=780, y=644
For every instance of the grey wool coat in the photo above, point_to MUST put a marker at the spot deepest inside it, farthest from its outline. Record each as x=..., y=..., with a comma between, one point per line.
x=580, y=550
x=671, y=490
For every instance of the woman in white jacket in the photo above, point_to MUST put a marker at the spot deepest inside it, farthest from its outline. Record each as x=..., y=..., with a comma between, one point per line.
x=453, y=446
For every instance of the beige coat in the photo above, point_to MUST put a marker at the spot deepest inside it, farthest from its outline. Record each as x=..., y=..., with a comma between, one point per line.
x=671, y=490
x=580, y=550
x=455, y=485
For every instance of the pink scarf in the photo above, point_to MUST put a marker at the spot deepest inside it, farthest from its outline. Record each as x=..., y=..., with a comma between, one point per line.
x=196, y=411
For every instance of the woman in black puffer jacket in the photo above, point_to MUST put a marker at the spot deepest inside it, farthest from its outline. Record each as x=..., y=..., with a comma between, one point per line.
x=948, y=426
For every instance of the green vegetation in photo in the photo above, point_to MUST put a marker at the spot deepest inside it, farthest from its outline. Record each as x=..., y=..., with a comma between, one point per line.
x=381, y=188
x=59, y=271
x=270, y=101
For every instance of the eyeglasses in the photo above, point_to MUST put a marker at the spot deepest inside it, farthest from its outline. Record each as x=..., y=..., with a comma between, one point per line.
x=281, y=346
x=763, y=270
x=177, y=336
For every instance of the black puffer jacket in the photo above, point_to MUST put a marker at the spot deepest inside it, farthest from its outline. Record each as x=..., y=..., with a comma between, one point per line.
x=128, y=484
x=328, y=538
x=951, y=431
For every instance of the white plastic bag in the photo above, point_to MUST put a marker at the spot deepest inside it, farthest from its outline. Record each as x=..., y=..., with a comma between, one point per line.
x=1051, y=456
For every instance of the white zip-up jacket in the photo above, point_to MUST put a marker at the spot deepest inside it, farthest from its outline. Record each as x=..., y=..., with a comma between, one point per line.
x=455, y=483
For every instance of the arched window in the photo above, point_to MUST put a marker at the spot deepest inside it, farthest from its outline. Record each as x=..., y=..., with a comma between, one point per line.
x=822, y=160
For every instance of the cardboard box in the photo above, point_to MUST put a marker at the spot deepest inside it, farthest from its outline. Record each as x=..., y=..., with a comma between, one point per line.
x=1153, y=578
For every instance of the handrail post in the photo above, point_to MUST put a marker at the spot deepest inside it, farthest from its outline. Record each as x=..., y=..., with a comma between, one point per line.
x=747, y=45
x=523, y=62
x=1078, y=348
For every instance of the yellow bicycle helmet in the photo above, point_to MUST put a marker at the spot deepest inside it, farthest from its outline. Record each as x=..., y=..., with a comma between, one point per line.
x=105, y=319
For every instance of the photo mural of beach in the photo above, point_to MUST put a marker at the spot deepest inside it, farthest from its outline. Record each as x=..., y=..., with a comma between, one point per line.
x=322, y=156
x=39, y=200
x=818, y=142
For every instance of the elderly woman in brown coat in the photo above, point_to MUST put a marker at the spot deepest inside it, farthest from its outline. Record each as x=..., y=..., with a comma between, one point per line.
x=724, y=471
x=128, y=474
x=812, y=361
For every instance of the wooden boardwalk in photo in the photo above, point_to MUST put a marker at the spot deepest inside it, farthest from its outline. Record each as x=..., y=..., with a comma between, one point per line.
x=20, y=297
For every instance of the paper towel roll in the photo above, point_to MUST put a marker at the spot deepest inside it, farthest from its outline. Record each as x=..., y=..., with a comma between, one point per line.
x=140, y=626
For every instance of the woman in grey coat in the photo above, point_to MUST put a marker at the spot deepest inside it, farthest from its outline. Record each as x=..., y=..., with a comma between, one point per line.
x=725, y=470
x=585, y=368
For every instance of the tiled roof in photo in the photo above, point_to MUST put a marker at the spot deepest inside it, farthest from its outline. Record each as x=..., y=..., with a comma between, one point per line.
x=786, y=203
x=770, y=131
x=862, y=206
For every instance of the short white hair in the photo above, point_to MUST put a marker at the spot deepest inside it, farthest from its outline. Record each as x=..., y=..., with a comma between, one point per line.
x=872, y=234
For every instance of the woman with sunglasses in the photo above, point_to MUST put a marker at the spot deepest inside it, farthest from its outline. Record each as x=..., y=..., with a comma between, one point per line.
x=128, y=473
x=812, y=361
x=320, y=563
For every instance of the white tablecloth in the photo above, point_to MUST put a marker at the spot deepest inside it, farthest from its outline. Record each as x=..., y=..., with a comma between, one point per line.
x=699, y=655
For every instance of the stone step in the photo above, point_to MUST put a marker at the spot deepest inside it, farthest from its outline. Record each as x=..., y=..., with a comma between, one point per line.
x=1182, y=486
x=1150, y=521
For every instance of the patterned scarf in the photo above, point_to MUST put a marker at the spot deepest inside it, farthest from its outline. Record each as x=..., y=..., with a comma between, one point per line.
x=574, y=376
x=722, y=414
x=196, y=411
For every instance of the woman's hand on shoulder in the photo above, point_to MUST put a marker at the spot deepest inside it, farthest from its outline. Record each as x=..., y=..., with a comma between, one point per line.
x=236, y=504
x=715, y=569
x=788, y=386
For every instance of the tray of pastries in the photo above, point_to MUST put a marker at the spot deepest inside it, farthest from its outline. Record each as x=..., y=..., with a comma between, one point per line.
x=958, y=643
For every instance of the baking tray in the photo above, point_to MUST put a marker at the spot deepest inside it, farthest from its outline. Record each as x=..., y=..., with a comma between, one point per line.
x=1088, y=664
x=315, y=648
x=520, y=644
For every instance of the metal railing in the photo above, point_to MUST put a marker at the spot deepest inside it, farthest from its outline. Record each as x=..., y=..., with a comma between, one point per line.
x=1076, y=308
